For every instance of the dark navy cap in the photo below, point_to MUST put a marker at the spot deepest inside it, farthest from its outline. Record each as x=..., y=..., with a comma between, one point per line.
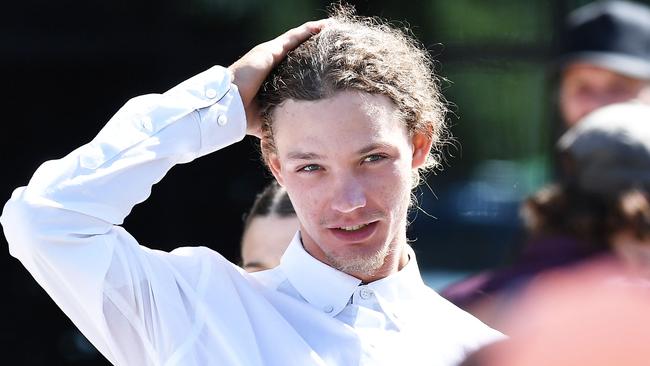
x=614, y=35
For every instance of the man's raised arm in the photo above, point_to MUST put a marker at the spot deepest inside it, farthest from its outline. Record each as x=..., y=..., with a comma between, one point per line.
x=63, y=226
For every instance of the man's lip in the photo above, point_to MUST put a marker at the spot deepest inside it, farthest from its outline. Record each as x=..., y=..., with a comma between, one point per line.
x=357, y=235
x=350, y=224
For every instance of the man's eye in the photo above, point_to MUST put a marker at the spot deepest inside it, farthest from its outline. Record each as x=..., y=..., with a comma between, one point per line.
x=310, y=168
x=372, y=158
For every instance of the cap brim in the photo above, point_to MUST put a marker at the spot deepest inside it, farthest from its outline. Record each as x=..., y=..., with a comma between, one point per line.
x=630, y=66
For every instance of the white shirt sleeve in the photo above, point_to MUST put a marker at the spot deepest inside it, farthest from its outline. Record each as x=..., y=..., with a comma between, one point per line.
x=63, y=226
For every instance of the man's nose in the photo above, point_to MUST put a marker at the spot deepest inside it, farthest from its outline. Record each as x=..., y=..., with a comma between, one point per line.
x=348, y=195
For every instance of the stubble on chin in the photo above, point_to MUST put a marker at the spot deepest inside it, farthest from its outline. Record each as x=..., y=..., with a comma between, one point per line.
x=364, y=265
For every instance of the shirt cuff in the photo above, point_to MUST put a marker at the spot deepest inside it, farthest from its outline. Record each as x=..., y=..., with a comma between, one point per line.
x=222, y=123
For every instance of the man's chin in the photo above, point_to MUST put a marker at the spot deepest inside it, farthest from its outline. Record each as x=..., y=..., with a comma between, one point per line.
x=360, y=264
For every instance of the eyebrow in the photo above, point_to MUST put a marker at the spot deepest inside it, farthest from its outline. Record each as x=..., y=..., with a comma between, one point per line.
x=298, y=155
x=373, y=146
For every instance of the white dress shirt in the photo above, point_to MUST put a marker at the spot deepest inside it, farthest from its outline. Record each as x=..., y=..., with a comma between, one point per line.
x=191, y=306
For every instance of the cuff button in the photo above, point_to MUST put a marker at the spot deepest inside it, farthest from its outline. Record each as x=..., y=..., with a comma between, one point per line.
x=211, y=93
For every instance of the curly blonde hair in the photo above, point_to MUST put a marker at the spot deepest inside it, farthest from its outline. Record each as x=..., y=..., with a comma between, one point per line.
x=367, y=55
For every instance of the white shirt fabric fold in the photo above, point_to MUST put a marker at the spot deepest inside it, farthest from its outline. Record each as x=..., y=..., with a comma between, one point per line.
x=191, y=306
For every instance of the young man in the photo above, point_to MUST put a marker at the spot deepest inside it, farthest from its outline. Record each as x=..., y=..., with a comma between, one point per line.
x=346, y=141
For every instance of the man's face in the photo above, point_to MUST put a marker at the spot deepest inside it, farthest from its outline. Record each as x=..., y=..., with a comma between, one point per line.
x=585, y=87
x=347, y=164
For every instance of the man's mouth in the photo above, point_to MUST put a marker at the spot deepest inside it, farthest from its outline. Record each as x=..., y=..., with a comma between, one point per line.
x=353, y=228
x=355, y=233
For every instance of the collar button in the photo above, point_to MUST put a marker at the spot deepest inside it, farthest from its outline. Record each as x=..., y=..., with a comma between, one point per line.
x=365, y=293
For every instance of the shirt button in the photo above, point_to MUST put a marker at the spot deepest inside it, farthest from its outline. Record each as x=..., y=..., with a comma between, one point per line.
x=328, y=309
x=210, y=93
x=222, y=120
x=365, y=293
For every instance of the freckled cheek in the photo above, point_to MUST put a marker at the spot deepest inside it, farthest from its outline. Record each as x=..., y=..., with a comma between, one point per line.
x=390, y=186
x=308, y=200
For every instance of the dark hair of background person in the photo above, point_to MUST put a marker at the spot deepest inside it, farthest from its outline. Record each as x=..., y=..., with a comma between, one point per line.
x=605, y=187
x=273, y=200
x=591, y=218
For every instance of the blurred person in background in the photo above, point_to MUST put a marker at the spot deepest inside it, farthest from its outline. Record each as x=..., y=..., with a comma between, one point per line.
x=269, y=227
x=573, y=317
x=602, y=204
x=598, y=212
x=593, y=312
x=604, y=59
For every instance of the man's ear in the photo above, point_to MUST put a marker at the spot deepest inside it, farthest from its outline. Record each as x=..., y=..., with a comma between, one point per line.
x=273, y=162
x=421, y=148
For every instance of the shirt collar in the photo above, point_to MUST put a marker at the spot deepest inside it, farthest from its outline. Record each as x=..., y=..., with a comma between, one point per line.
x=322, y=286
x=330, y=290
x=403, y=285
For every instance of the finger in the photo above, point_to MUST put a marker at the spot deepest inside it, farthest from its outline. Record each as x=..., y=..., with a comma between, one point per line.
x=294, y=37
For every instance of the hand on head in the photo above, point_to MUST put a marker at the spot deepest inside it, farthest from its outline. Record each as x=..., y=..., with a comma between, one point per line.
x=250, y=71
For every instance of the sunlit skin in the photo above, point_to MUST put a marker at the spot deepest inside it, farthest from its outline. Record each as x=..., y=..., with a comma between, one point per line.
x=585, y=87
x=347, y=161
x=265, y=240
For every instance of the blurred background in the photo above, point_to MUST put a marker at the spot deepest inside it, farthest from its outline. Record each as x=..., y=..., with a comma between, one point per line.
x=68, y=65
